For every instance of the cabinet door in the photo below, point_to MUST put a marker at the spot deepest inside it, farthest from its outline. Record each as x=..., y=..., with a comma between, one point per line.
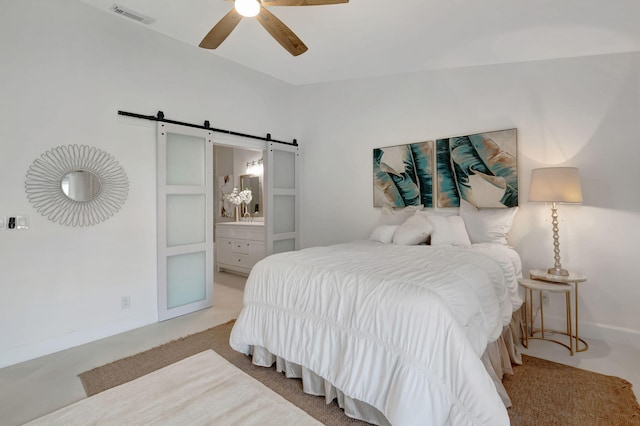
x=224, y=248
x=257, y=252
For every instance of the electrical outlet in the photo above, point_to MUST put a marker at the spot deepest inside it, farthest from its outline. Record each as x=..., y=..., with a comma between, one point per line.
x=3, y=223
x=125, y=302
x=545, y=299
x=22, y=222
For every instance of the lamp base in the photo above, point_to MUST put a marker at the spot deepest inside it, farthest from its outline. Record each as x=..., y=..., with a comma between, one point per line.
x=558, y=271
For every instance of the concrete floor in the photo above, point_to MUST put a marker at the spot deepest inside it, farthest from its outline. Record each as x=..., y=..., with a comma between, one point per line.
x=33, y=388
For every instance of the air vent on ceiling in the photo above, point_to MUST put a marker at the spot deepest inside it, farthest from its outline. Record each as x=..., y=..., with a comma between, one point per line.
x=136, y=16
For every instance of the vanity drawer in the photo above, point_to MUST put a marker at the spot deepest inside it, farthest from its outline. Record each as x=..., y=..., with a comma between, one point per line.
x=230, y=232
x=240, y=261
x=241, y=246
x=241, y=232
x=256, y=234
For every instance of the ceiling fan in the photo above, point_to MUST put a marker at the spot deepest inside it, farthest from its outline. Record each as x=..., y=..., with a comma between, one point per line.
x=278, y=30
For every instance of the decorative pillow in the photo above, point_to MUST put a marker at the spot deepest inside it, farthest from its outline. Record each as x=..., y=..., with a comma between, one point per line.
x=487, y=225
x=383, y=233
x=449, y=230
x=413, y=231
x=398, y=216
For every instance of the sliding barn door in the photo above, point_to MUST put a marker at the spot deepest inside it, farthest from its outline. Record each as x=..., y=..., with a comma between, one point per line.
x=282, y=212
x=185, y=220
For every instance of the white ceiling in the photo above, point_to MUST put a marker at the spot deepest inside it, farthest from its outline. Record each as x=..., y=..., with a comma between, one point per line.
x=367, y=38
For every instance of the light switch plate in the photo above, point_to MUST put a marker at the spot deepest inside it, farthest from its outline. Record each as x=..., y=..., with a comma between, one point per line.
x=3, y=223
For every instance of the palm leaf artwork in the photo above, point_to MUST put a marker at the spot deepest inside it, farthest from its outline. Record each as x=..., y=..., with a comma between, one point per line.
x=383, y=181
x=502, y=165
x=448, y=195
x=410, y=182
x=463, y=157
x=422, y=154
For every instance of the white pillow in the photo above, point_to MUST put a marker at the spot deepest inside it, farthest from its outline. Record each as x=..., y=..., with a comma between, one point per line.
x=449, y=230
x=487, y=225
x=413, y=231
x=383, y=233
x=397, y=217
x=449, y=211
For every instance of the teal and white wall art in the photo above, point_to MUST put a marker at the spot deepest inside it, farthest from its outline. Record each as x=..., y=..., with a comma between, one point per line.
x=403, y=175
x=480, y=168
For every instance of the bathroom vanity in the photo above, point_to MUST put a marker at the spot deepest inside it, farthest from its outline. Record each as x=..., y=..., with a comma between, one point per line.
x=239, y=246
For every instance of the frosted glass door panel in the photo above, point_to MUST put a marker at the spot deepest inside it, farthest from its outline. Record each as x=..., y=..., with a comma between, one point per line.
x=282, y=208
x=284, y=211
x=186, y=219
x=186, y=279
x=281, y=246
x=185, y=160
x=284, y=173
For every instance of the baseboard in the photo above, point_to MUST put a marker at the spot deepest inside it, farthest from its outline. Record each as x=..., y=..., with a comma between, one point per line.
x=59, y=343
x=601, y=332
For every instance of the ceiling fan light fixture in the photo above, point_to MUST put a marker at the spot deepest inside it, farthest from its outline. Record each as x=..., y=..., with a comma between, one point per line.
x=247, y=8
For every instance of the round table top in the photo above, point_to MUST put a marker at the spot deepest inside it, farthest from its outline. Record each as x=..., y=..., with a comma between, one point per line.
x=543, y=275
x=544, y=285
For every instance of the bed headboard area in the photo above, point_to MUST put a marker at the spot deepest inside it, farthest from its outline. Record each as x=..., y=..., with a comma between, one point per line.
x=413, y=226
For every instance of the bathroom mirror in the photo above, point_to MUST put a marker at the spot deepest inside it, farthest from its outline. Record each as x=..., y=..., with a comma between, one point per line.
x=80, y=185
x=254, y=183
x=76, y=185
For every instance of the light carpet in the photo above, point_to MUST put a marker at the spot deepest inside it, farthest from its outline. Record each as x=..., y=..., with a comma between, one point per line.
x=203, y=389
x=542, y=392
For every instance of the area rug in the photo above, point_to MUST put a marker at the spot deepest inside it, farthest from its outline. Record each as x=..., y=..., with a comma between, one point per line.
x=201, y=389
x=542, y=392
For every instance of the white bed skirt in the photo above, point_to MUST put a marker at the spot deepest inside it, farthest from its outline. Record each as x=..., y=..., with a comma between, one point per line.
x=497, y=359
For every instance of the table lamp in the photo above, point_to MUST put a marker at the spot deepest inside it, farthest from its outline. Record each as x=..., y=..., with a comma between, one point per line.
x=556, y=185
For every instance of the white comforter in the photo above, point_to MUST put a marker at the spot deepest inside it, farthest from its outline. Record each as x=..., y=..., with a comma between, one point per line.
x=401, y=328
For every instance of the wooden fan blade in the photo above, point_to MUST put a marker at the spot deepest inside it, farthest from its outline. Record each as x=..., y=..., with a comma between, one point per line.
x=301, y=2
x=221, y=30
x=281, y=32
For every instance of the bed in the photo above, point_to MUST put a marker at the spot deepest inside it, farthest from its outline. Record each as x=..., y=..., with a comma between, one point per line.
x=398, y=334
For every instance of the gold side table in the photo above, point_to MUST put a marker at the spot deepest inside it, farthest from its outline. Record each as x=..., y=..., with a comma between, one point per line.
x=542, y=281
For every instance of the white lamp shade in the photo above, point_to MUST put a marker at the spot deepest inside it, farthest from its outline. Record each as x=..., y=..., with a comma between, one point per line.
x=555, y=184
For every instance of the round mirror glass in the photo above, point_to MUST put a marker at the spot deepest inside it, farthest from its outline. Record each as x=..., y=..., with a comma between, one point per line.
x=80, y=185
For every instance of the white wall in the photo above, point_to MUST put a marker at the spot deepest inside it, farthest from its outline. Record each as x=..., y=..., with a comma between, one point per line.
x=67, y=69
x=240, y=159
x=576, y=112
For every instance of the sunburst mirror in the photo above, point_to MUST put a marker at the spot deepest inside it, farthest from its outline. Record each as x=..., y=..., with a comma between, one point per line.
x=76, y=185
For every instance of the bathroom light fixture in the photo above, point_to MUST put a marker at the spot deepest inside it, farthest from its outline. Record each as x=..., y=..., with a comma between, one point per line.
x=255, y=167
x=556, y=185
x=247, y=8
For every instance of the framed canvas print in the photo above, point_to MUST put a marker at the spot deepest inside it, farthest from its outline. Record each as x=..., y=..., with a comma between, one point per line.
x=403, y=175
x=480, y=168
